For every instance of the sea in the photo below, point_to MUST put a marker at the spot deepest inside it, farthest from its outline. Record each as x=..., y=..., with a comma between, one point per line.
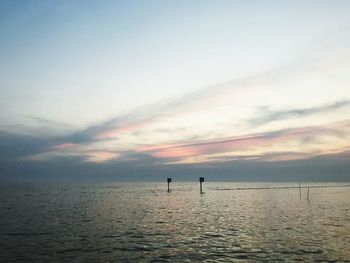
x=143, y=222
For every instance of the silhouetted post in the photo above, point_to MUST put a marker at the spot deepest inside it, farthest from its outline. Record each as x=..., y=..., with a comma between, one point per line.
x=201, y=180
x=299, y=191
x=169, y=181
x=308, y=191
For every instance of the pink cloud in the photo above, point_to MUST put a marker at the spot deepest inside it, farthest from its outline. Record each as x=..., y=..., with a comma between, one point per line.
x=124, y=128
x=230, y=144
x=63, y=146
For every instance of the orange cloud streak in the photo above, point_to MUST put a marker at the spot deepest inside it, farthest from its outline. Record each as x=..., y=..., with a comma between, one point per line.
x=233, y=143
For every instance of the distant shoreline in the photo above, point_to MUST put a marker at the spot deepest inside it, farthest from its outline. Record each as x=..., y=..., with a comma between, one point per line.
x=278, y=187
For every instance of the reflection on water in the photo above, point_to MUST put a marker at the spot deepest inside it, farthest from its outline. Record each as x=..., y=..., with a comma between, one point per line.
x=134, y=222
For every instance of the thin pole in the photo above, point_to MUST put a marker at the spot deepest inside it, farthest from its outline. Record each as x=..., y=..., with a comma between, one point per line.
x=308, y=192
x=201, y=180
x=299, y=191
x=169, y=181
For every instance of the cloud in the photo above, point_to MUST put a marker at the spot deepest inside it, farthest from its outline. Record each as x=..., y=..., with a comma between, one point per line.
x=100, y=156
x=109, y=140
x=269, y=116
x=326, y=167
x=247, y=143
x=14, y=146
x=203, y=98
x=233, y=92
x=36, y=127
x=63, y=146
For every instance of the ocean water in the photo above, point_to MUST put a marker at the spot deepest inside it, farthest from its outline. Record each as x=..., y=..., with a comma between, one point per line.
x=142, y=222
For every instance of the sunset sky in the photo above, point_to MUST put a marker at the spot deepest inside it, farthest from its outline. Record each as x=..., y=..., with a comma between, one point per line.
x=165, y=86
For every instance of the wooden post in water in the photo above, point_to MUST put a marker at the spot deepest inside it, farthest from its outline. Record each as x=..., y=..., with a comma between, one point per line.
x=201, y=180
x=169, y=181
x=299, y=191
x=308, y=192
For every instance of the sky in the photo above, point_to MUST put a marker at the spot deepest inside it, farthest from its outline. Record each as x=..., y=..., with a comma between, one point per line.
x=139, y=90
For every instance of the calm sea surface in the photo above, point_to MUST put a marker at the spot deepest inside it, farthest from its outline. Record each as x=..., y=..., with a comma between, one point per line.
x=142, y=222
